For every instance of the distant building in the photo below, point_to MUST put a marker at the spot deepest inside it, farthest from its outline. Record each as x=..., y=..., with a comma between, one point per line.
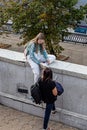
x=82, y=3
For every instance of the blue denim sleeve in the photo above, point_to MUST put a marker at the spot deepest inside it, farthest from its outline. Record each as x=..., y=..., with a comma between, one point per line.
x=32, y=56
x=45, y=54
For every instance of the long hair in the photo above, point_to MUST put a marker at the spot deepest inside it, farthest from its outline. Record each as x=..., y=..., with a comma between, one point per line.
x=38, y=36
x=35, y=41
x=47, y=74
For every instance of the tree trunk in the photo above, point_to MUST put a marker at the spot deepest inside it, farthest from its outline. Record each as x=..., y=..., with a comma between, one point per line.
x=50, y=47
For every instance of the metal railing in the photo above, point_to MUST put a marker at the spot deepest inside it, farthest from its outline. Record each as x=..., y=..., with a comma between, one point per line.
x=74, y=37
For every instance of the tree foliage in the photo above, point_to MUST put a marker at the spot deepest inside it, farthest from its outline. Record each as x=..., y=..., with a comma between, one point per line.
x=85, y=9
x=49, y=16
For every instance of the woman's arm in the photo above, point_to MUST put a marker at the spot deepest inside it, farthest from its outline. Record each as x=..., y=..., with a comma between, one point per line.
x=55, y=92
x=25, y=53
x=45, y=54
x=26, y=50
x=32, y=55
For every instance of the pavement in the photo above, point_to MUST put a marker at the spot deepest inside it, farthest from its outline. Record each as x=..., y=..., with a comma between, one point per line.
x=77, y=52
x=11, y=119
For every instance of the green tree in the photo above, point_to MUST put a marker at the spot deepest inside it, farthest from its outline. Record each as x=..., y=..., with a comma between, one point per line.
x=49, y=16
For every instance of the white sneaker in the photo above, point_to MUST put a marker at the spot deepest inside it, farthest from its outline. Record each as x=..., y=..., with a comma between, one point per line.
x=48, y=129
x=44, y=65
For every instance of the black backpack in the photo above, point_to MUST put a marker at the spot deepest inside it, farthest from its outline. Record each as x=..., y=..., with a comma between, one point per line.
x=35, y=93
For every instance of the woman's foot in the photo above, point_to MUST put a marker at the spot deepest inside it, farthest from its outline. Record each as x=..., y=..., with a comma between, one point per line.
x=54, y=111
x=49, y=129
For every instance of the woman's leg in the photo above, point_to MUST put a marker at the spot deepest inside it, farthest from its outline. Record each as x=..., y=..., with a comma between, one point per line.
x=35, y=68
x=51, y=58
x=53, y=107
x=47, y=115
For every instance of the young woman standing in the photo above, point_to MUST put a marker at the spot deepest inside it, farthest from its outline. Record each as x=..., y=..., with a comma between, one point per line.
x=49, y=94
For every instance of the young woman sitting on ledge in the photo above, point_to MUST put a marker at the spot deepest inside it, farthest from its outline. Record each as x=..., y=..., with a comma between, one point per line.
x=37, y=55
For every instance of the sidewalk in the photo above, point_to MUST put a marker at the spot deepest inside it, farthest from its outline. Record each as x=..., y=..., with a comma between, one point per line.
x=11, y=119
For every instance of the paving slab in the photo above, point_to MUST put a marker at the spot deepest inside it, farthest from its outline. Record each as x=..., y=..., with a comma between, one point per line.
x=11, y=119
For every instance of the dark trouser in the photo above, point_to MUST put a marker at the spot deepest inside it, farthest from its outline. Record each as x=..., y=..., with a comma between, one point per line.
x=53, y=107
x=48, y=109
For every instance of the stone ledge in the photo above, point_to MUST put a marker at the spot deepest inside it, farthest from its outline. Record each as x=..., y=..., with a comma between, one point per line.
x=69, y=69
x=19, y=63
x=13, y=57
x=58, y=66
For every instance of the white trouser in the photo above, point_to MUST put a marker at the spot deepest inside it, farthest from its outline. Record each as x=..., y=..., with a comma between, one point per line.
x=35, y=67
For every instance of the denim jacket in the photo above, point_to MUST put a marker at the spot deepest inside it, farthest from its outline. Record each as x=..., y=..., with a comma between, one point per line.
x=31, y=49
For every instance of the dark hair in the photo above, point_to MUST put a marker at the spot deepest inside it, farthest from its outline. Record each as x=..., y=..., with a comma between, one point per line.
x=47, y=74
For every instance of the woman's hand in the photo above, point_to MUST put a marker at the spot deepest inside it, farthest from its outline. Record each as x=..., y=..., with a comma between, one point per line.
x=54, y=91
x=43, y=46
x=43, y=65
x=48, y=61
